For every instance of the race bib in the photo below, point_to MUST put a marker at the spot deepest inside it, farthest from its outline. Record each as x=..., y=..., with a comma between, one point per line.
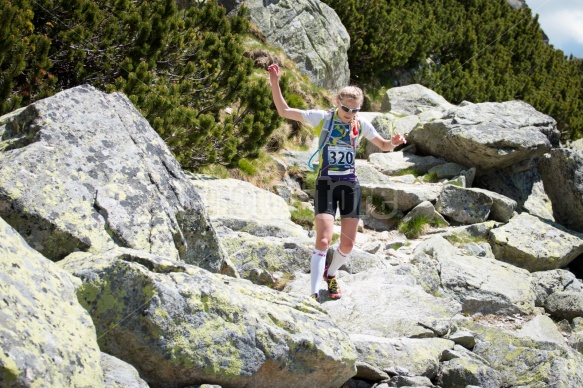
x=340, y=157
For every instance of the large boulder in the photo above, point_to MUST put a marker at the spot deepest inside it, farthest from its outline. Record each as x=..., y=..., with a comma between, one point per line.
x=468, y=279
x=310, y=33
x=254, y=226
x=488, y=136
x=524, y=359
x=84, y=171
x=412, y=100
x=525, y=187
x=180, y=325
x=562, y=174
x=387, y=303
x=47, y=338
x=535, y=244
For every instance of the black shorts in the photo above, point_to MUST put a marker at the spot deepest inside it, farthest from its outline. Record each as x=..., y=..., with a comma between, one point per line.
x=332, y=195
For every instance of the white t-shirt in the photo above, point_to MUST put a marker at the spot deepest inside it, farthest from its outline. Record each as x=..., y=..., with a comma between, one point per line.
x=337, y=156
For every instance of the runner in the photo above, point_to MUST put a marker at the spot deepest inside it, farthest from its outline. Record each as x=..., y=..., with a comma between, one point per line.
x=337, y=186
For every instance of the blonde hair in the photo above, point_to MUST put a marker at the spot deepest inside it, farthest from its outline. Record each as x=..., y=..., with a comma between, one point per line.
x=351, y=93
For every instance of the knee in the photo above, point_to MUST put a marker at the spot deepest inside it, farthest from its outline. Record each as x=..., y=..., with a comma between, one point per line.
x=346, y=246
x=323, y=244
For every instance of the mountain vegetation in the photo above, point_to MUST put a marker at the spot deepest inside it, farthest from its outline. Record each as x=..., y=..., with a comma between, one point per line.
x=474, y=50
x=181, y=67
x=186, y=65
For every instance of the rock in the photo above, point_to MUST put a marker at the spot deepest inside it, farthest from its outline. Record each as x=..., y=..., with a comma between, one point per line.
x=310, y=33
x=46, y=337
x=178, y=324
x=255, y=227
x=492, y=135
x=387, y=125
x=525, y=187
x=364, y=292
x=526, y=362
x=369, y=372
x=409, y=381
x=394, y=163
x=565, y=304
x=468, y=279
x=399, y=196
x=502, y=207
x=546, y=283
x=84, y=171
x=542, y=329
x=463, y=338
x=562, y=174
x=119, y=374
x=413, y=99
x=466, y=206
x=420, y=355
x=426, y=210
x=464, y=372
x=535, y=245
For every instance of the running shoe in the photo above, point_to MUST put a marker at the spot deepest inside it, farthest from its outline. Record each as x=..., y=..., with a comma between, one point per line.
x=333, y=289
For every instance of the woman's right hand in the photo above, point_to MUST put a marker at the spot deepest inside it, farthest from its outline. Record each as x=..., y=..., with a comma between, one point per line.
x=273, y=72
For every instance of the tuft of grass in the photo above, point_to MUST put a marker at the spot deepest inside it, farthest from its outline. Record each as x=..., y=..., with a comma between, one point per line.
x=247, y=167
x=335, y=238
x=430, y=177
x=378, y=203
x=216, y=170
x=464, y=238
x=408, y=171
x=415, y=227
x=303, y=216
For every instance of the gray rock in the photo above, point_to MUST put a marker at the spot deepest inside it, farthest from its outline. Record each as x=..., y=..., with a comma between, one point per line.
x=410, y=381
x=463, y=372
x=369, y=372
x=502, y=207
x=463, y=338
x=468, y=280
x=525, y=187
x=119, y=374
x=543, y=330
x=420, y=355
x=395, y=163
x=426, y=210
x=526, y=362
x=364, y=292
x=565, y=304
x=562, y=174
x=255, y=227
x=400, y=196
x=492, y=135
x=310, y=33
x=46, y=337
x=413, y=99
x=178, y=324
x=84, y=171
x=466, y=206
x=536, y=245
x=546, y=283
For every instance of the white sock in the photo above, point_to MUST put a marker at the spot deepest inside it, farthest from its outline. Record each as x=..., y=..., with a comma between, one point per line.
x=338, y=260
x=317, y=266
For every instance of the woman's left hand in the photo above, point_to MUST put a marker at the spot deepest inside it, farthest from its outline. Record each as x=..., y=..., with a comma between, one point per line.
x=398, y=139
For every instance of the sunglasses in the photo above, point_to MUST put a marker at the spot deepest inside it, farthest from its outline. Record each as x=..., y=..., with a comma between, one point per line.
x=347, y=109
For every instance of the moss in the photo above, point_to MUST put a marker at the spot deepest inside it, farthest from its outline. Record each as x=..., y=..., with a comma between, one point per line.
x=8, y=368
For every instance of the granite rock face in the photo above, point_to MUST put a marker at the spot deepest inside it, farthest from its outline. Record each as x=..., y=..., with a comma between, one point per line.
x=84, y=171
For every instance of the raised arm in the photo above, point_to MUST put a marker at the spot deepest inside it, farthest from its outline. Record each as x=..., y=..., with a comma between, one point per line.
x=282, y=108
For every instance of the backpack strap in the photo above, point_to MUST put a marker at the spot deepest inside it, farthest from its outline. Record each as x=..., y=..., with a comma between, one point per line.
x=325, y=128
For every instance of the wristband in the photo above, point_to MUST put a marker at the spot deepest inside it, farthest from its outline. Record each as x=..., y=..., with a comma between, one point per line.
x=393, y=144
